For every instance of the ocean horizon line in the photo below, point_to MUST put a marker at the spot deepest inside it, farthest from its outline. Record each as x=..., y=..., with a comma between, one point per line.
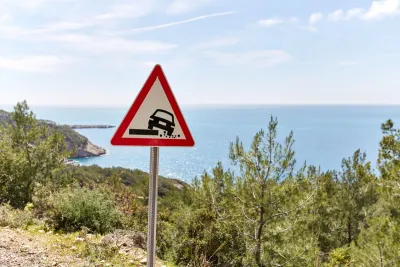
x=215, y=105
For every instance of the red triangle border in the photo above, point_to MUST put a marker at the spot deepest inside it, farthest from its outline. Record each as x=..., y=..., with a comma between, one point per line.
x=118, y=140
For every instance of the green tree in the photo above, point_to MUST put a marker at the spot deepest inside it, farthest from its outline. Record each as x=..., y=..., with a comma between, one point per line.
x=389, y=166
x=378, y=242
x=324, y=212
x=30, y=154
x=266, y=196
x=357, y=194
x=206, y=230
x=389, y=152
x=341, y=204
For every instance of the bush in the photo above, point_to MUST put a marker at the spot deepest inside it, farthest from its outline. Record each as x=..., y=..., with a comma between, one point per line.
x=340, y=257
x=15, y=218
x=77, y=208
x=99, y=251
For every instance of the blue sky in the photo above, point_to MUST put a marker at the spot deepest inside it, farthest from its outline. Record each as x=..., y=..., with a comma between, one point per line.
x=99, y=52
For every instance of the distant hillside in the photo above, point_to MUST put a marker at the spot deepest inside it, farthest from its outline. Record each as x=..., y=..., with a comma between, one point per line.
x=134, y=178
x=75, y=141
x=4, y=117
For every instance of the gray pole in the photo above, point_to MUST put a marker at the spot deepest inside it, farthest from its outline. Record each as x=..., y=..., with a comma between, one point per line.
x=152, y=217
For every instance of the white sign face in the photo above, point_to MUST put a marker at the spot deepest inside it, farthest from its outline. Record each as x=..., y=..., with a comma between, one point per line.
x=155, y=118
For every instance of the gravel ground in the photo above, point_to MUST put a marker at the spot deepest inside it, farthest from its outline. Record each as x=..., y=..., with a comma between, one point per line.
x=17, y=248
x=23, y=248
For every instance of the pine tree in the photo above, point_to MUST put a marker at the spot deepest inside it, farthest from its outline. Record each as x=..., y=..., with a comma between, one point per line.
x=264, y=195
x=30, y=153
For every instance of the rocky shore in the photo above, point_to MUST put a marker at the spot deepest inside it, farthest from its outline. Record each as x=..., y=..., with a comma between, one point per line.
x=90, y=150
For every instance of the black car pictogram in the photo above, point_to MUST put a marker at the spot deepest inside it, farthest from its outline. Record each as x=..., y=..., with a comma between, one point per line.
x=162, y=119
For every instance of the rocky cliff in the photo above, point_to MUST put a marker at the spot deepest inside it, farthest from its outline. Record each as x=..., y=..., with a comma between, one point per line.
x=80, y=144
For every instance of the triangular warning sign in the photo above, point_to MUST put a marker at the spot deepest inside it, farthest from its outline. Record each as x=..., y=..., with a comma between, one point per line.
x=154, y=118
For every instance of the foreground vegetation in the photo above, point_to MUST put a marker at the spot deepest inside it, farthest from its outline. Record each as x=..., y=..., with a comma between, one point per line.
x=271, y=213
x=28, y=241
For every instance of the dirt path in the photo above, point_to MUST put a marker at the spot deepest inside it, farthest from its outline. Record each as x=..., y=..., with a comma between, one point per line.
x=19, y=248
x=37, y=248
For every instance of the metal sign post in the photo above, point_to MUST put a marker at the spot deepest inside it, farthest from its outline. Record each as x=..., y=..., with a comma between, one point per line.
x=154, y=120
x=152, y=216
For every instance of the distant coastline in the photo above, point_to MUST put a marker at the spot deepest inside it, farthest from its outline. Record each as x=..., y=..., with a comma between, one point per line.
x=96, y=126
x=76, y=142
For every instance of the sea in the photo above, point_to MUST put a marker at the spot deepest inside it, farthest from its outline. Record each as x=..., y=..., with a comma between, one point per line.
x=324, y=135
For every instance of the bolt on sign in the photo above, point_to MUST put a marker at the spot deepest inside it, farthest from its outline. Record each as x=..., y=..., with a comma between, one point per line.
x=154, y=120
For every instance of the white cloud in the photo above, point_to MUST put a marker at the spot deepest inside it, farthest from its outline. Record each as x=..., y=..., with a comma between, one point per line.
x=276, y=21
x=271, y=22
x=260, y=58
x=68, y=25
x=34, y=63
x=123, y=46
x=92, y=44
x=336, y=15
x=382, y=8
x=217, y=42
x=315, y=17
x=32, y=3
x=167, y=25
x=309, y=28
x=173, y=64
x=135, y=9
x=67, y=38
x=354, y=13
x=186, y=6
x=106, y=45
x=378, y=10
x=15, y=32
x=350, y=62
x=5, y=18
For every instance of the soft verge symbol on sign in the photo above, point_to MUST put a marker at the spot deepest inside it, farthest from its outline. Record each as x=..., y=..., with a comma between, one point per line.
x=154, y=118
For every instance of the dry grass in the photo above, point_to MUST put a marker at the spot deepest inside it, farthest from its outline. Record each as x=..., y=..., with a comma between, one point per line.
x=20, y=228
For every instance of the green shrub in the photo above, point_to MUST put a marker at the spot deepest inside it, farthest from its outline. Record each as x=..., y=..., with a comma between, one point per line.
x=77, y=208
x=15, y=218
x=340, y=257
x=95, y=251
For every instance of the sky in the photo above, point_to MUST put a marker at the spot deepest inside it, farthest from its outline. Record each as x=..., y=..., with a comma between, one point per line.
x=100, y=52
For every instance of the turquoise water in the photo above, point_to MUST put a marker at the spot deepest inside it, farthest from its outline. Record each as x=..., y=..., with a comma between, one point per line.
x=324, y=134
